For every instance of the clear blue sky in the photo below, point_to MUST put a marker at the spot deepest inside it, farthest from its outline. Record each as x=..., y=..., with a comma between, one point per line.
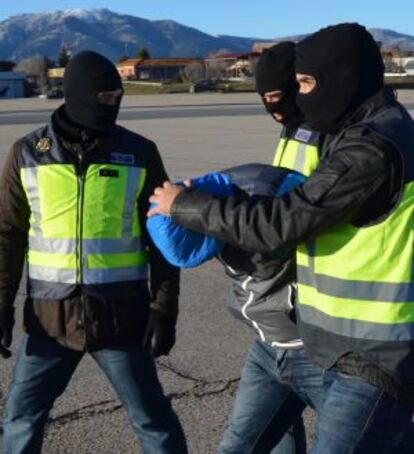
x=261, y=19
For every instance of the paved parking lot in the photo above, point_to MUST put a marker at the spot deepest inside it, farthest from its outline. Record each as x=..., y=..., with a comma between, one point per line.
x=195, y=134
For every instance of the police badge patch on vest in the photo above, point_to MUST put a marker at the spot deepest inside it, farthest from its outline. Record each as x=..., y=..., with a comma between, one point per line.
x=43, y=145
x=303, y=135
x=122, y=158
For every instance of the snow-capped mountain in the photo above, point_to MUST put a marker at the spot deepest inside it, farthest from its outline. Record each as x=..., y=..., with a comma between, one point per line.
x=116, y=34
x=107, y=32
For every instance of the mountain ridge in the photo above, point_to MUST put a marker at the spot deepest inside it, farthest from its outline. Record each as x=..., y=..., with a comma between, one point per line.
x=115, y=34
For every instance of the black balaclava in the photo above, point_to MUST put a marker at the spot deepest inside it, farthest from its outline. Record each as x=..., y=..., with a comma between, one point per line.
x=347, y=65
x=276, y=71
x=87, y=74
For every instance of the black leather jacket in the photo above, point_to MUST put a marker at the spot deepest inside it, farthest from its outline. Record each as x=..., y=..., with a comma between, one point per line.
x=358, y=180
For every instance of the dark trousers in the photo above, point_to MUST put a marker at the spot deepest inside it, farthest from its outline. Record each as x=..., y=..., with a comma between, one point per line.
x=42, y=371
x=275, y=387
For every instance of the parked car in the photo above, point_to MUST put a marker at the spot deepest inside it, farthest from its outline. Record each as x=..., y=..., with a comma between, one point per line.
x=55, y=88
x=202, y=85
x=55, y=93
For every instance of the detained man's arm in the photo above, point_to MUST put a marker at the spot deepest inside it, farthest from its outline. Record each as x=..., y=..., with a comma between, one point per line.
x=337, y=190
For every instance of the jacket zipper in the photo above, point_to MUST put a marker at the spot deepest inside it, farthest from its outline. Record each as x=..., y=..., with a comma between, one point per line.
x=80, y=176
x=290, y=344
x=79, y=222
x=247, y=304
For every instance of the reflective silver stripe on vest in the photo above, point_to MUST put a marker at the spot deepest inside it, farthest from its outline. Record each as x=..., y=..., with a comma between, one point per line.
x=52, y=245
x=127, y=244
x=32, y=188
x=104, y=246
x=89, y=246
x=311, y=247
x=130, y=203
x=100, y=276
x=388, y=292
x=45, y=273
x=395, y=332
x=300, y=159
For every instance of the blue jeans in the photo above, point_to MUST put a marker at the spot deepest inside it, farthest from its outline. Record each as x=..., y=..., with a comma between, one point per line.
x=356, y=417
x=275, y=387
x=42, y=371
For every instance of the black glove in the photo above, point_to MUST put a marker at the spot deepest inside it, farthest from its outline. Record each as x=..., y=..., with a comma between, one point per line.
x=6, y=330
x=159, y=333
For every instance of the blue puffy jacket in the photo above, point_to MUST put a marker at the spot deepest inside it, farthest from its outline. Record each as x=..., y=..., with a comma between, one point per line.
x=185, y=248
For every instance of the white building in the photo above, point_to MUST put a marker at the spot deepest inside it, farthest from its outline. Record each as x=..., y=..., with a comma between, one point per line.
x=409, y=67
x=12, y=84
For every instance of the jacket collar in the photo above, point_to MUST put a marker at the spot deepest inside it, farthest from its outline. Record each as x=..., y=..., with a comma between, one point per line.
x=79, y=140
x=381, y=99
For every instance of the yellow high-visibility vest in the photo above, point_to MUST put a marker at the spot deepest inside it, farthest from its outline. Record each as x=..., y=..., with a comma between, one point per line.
x=84, y=229
x=298, y=151
x=356, y=284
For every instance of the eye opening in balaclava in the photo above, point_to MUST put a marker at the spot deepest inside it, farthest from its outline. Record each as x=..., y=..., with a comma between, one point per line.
x=305, y=79
x=275, y=71
x=347, y=65
x=110, y=98
x=88, y=74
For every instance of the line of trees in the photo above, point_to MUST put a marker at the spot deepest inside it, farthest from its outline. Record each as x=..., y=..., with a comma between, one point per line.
x=394, y=59
x=142, y=54
x=203, y=71
x=37, y=67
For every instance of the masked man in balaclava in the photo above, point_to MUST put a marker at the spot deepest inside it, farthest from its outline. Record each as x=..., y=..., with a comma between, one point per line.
x=277, y=86
x=263, y=293
x=351, y=222
x=74, y=199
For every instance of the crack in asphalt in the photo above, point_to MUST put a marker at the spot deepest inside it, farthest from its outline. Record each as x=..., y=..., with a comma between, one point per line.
x=87, y=411
x=198, y=390
x=202, y=388
x=179, y=373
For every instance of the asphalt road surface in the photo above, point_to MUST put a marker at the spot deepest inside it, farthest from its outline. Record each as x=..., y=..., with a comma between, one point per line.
x=195, y=133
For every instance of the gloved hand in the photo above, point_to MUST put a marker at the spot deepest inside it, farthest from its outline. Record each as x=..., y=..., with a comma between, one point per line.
x=160, y=332
x=6, y=330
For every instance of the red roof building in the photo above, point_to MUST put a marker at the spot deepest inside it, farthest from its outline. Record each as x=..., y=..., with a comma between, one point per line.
x=153, y=68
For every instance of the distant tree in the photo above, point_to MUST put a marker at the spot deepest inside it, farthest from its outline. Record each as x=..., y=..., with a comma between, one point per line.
x=216, y=69
x=397, y=58
x=50, y=63
x=253, y=65
x=194, y=72
x=389, y=63
x=37, y=67
x=143, y=53
x=6, y=65
x=63, y=57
